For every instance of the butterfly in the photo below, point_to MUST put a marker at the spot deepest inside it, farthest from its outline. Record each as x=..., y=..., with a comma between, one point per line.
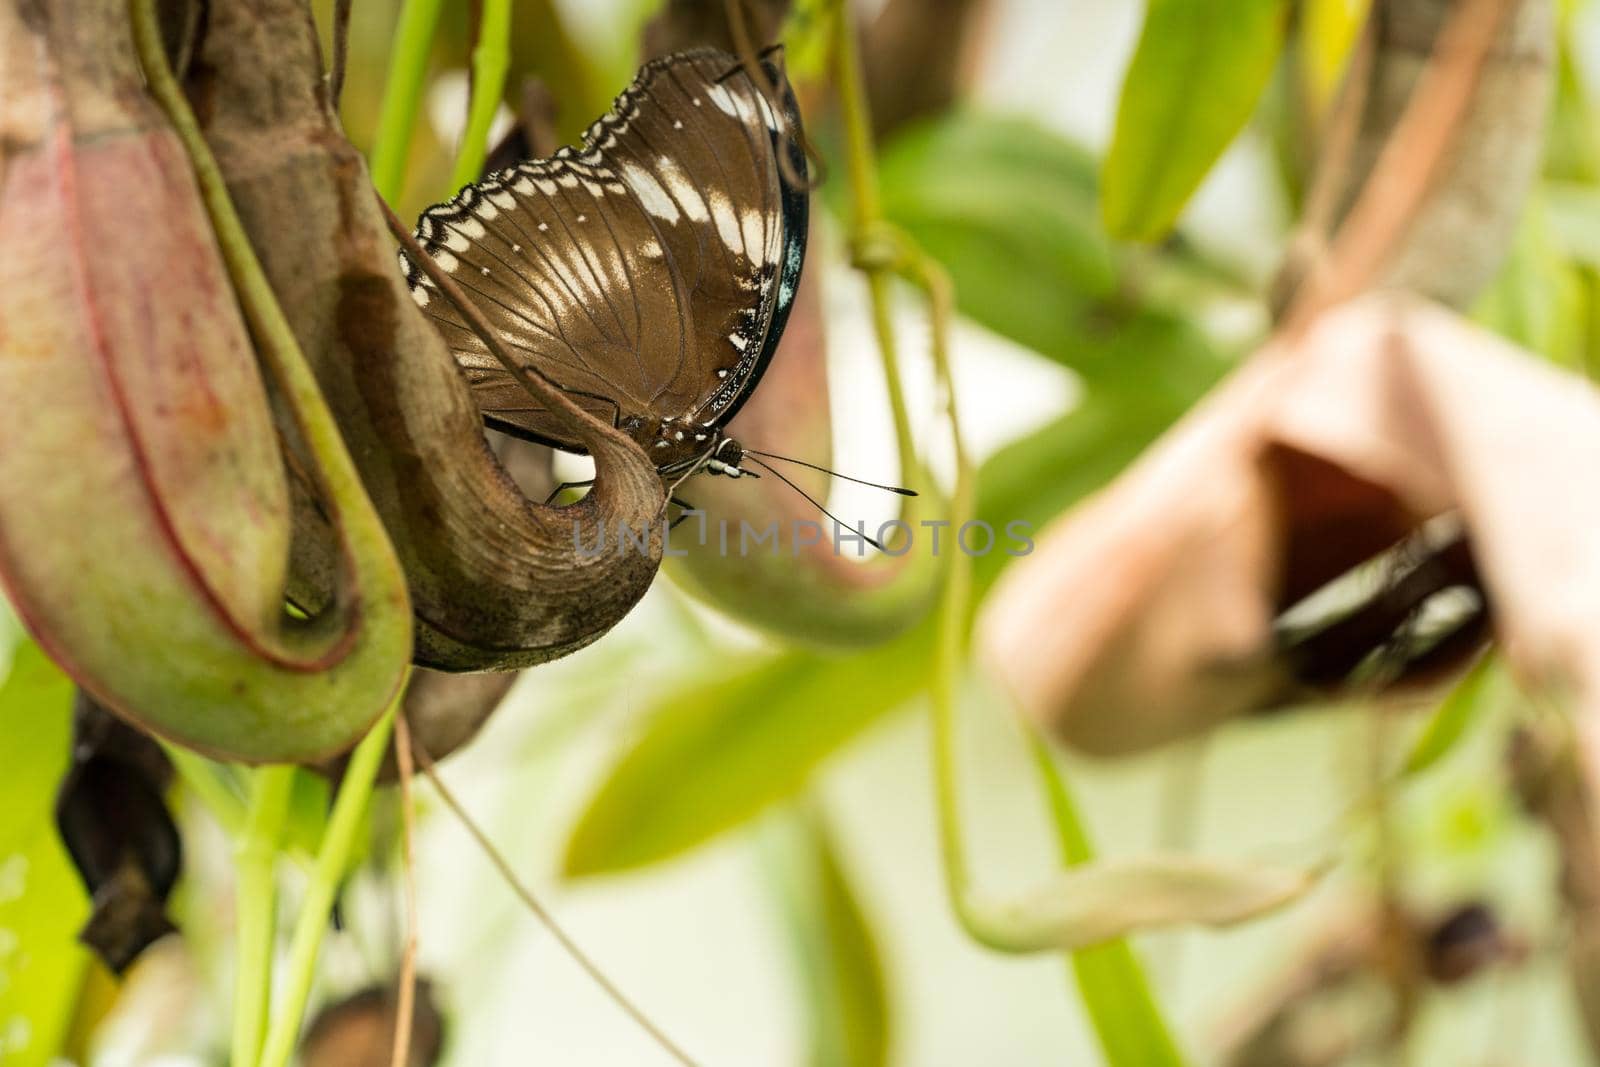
x=648, y=271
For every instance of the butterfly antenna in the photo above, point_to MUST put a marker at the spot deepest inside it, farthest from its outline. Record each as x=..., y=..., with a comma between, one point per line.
x=814, y=503
x=902, y=490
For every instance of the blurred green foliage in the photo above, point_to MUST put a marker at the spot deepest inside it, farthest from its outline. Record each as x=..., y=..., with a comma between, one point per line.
x=1456, y=715
x=1008, y=208
x=1194, y=81
x=42, y=902
x=1116, y=995
x=839, y=962
x=718, y=750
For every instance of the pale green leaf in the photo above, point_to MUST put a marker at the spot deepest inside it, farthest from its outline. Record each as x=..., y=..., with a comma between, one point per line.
x=1573, y=212
x=1109, y=898
x=42, y=902
x=1454, y=717
x=1326, y=35
x=1009, y=208
x=1536, y=299
x=1196, y=75
x=715, y=753
x=841, y=970
x=1571, y=150
x=1116, y=995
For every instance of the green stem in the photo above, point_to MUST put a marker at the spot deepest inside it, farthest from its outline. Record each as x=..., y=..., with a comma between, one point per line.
x=206, y=781
x=866, y=219
x=333, y=860
x=1111, y=983
x=255, y=860
x=950, y=651
x=884, y=252
x=402, y=94
x=491, y=58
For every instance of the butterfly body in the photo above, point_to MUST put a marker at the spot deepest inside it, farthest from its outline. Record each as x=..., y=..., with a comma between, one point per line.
x=648, y=272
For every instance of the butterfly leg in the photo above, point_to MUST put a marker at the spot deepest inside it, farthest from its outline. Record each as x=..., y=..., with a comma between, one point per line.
x=564, y=486
x=684, y=507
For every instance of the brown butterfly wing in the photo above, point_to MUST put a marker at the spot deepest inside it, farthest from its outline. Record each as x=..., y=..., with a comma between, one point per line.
x=646, y=272
x=568, y=269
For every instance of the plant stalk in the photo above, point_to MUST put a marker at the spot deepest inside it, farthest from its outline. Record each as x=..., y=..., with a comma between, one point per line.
x=866, y=217
x=402, y=94
x=255, y=861
x=491, y=59
x=333, y=860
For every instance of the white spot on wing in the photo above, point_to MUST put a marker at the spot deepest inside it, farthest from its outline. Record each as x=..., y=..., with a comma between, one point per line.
x=754, y=225
x=727, y=221
x=723, y=100
x=766, y=111
x=683, y=189
x=651, y=196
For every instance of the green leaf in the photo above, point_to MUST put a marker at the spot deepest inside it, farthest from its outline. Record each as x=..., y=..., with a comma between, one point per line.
x=1572, y=210
x=716, y=752
x=1571, y=151
x=1116, y=995
x=719, y=750
x=1453, y=719
x=42, y=903
x=1537, y=299
x=1154, y=368
x=1009, y=208
x=839, y=960
x=1097, y=902
x=1196, y=75
x=1326, y=33
x=807, y=37
x=10, y=634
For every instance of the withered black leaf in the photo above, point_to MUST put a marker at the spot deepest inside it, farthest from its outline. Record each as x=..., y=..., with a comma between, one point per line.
x=119, y=833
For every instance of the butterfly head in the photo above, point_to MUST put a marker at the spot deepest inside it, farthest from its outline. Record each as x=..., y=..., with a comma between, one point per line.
x=682, y=448
x=726, y=459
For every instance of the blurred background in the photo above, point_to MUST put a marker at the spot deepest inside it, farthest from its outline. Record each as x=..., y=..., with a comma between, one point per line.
x=771, y=827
